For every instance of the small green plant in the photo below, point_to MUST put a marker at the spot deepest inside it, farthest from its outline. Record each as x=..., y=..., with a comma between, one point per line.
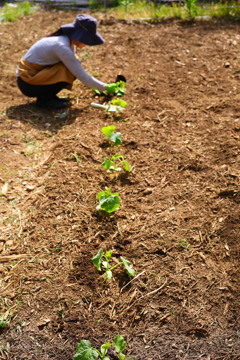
x=75, y=156
x=108, y=202
x=115, y=137
x=184, y=244
x=102, y=259
x=3, y=323
x=191, y=8
x=116, y=163
x=120, y=89
x=85, y=351
x=116, y=105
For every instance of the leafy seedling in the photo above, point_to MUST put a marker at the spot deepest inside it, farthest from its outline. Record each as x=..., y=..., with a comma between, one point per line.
x=116, y=105
x=76, y=157
x=115, y=137
x=3, y=323
x=109, y=108
x=116, y=163
x=102, y=259
x=120, y=89
x=108, y=201
x=85, y=351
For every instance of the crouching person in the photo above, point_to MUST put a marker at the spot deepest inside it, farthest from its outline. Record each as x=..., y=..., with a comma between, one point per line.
x=50, y=65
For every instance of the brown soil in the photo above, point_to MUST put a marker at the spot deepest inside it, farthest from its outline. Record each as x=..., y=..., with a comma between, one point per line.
x=179, y=218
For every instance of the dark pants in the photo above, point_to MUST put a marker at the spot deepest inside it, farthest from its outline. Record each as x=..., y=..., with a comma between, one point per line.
x=42, y=92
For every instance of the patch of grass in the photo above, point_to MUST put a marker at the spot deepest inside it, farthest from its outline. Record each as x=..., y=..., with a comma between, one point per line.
x=12, y=12
x=229, y=9
x=140, y=9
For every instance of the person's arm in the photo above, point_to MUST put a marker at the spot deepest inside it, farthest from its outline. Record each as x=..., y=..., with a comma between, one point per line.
x=66, y=55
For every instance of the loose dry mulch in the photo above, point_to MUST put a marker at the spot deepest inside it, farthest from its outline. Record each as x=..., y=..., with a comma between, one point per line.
x=179, y=218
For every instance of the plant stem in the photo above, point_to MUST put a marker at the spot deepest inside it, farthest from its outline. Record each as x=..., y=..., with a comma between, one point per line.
x=120, y=263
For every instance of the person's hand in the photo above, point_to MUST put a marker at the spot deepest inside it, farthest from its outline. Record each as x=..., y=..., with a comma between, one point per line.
x=111, y=88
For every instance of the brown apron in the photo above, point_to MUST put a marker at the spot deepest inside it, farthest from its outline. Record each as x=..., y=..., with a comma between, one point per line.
x=35, y=74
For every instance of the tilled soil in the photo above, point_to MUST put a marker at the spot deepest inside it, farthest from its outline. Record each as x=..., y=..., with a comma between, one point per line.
x=178, y=222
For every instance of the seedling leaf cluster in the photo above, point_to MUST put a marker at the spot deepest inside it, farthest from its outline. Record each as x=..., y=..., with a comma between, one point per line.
x=115, y=163
x=3, y=323
x=120, y=88
x=103, y=260
x=108, y=201
x=110, y=134
x=85, y=351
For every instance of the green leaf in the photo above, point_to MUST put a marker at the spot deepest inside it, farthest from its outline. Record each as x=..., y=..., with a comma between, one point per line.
x=108, y=201
x=120, y=90
x=97, y=259
x=116, y=138
x=117, y=156
x=3, y=323
x=119, y=343
x=104, y=348
x=108, y=254
x=127, y=264
x=108, y=130
x=96, y=91
x=127, y=167
x=107, y=164
x=101, y=193
x=121, y=356
x=85, y=351
x=119, y=102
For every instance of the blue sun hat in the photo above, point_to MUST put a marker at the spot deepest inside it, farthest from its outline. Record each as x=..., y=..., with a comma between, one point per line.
x=84, y=30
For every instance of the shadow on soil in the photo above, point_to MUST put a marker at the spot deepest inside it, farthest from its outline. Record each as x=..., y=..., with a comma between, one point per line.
x=43, y=119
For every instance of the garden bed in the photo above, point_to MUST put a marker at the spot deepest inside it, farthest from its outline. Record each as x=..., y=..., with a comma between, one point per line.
x=178, y=222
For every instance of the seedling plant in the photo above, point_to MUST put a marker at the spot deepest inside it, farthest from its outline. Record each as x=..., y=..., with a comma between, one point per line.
x=115, y=106
x=184, y=244
x=108, y=201
x=3, y=323
x=110, y=134
x=120, y=89
x=102, y=259
x=85, y=351
x=116, y=163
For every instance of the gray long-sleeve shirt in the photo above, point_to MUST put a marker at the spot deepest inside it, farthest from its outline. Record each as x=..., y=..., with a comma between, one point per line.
x=54, y=49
